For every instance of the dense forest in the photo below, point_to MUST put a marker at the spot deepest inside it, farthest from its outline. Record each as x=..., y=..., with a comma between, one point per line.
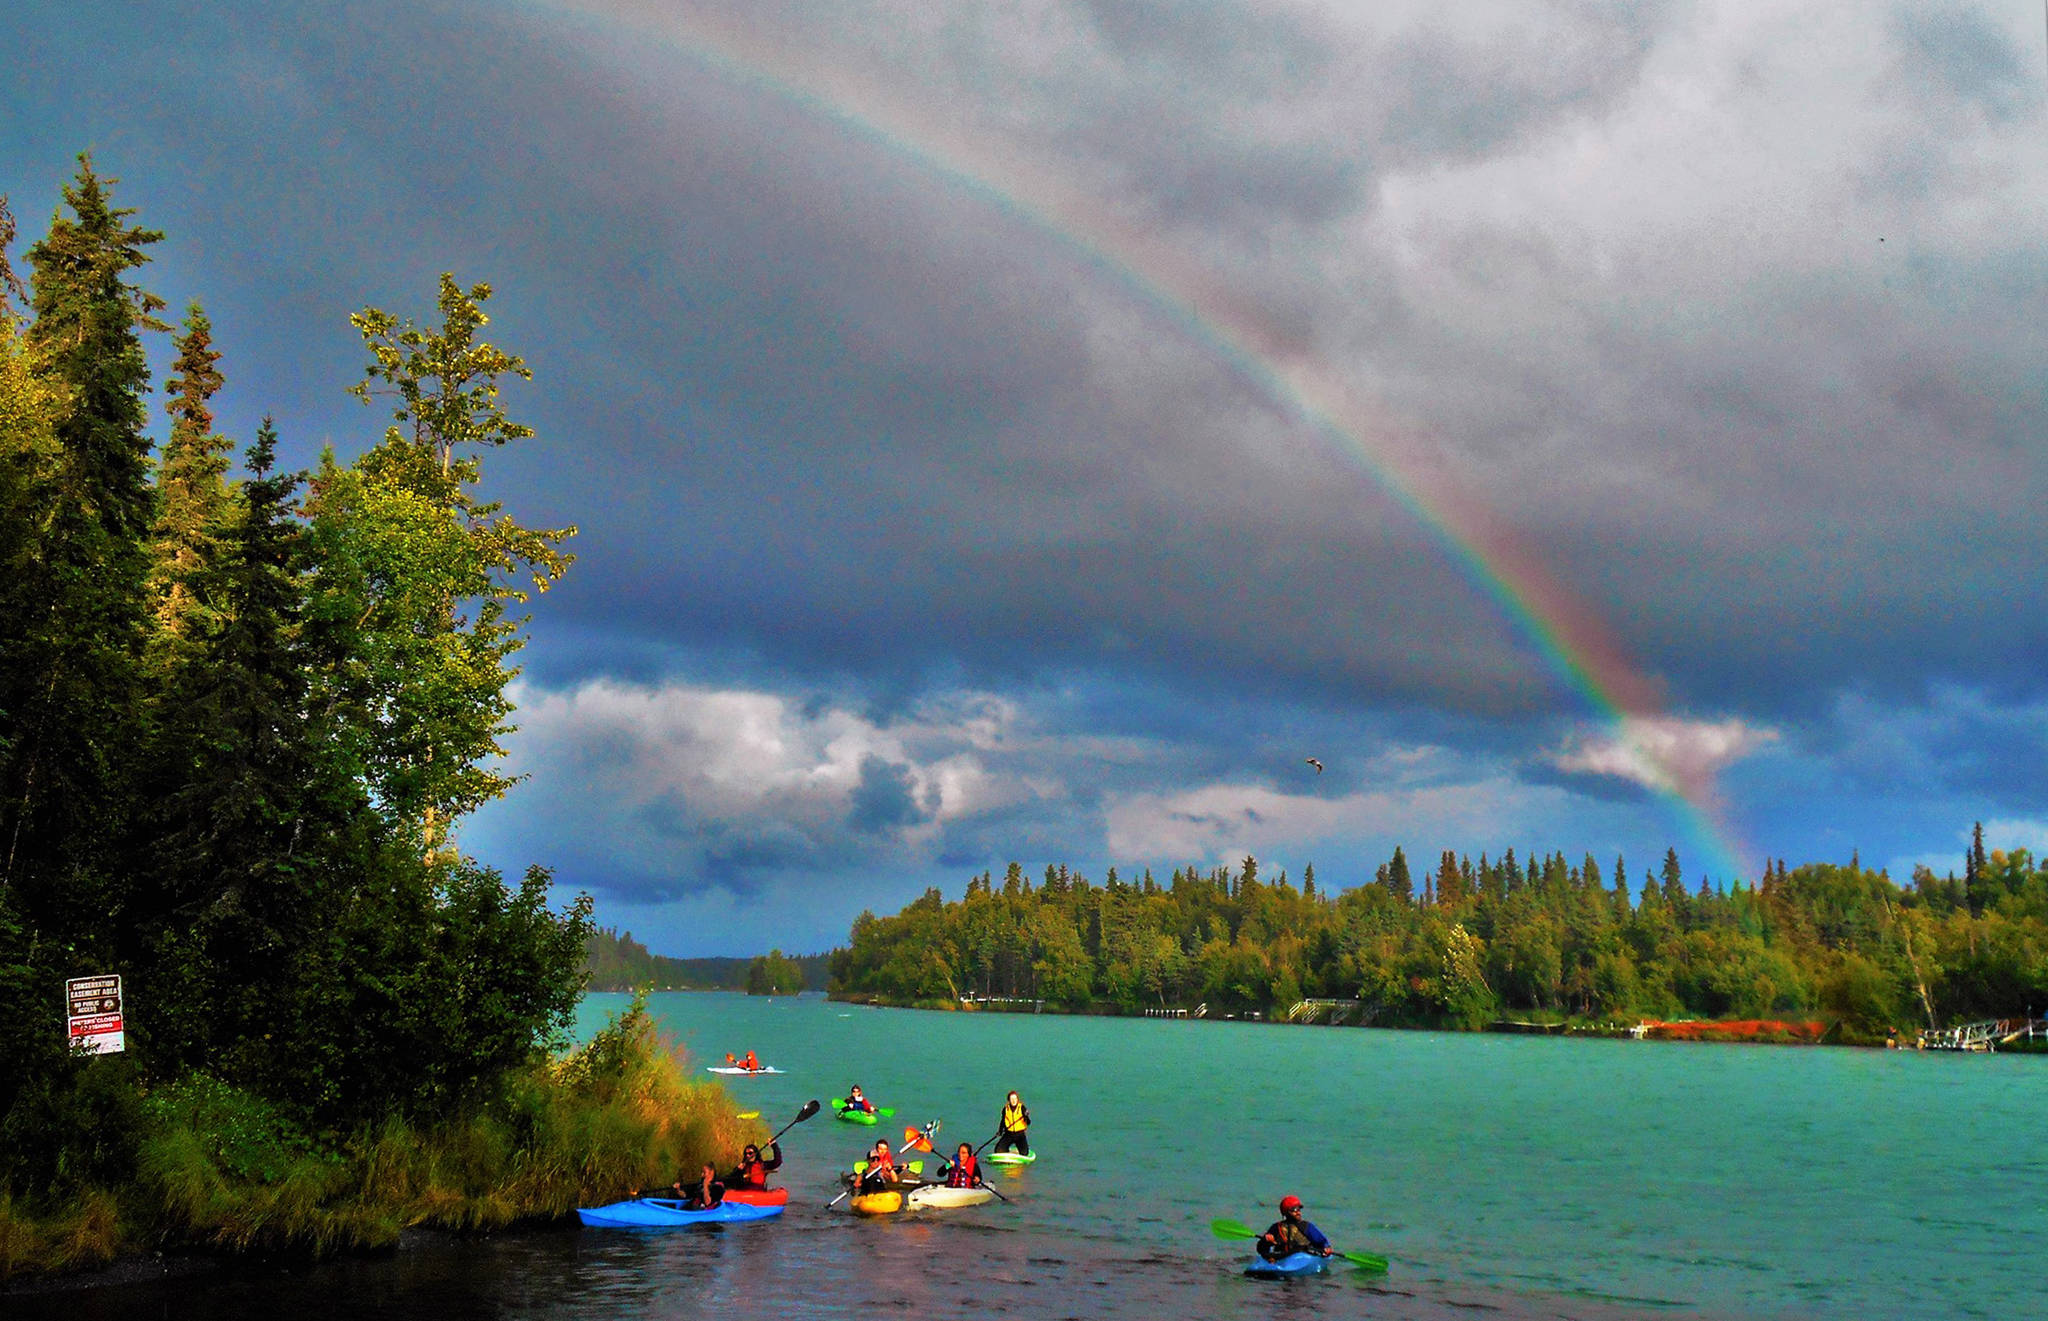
x=1470, y=943
x=617, y=962
x=242, y=712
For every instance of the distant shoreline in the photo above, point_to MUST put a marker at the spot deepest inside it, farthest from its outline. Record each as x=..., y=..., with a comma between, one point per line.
x=1743, y=1032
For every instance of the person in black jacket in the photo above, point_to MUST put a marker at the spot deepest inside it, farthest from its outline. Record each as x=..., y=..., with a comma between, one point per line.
x=705, y=1193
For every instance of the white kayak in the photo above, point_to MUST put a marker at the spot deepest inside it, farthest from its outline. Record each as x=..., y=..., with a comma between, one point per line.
x=730, y=1070
x=938, y=1197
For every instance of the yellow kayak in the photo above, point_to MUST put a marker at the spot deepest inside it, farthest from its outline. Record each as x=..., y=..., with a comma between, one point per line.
x=878, y=1204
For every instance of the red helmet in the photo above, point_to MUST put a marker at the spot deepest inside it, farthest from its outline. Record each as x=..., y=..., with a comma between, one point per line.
x=1290, y=1203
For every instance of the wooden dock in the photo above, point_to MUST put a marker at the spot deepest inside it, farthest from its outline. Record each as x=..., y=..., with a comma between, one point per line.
x=1988, y=1035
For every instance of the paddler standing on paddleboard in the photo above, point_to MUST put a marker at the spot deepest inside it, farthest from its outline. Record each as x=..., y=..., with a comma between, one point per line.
x=1291, y=1233
x=1010, y=1128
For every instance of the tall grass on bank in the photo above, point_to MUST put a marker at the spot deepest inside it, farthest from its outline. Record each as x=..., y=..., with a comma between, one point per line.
x=221, y=1169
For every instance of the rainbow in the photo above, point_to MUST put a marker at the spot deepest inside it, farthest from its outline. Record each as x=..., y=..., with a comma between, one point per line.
x=1570, y=639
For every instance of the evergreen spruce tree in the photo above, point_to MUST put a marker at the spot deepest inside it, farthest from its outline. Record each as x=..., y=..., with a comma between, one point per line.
x=1399, y=883
x=1673, y=878
x=1449, y=879
x=74, y=618
x=192, y=494
x=239, y=814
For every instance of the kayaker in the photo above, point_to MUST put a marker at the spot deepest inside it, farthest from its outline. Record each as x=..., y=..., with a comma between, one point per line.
x=1291, y=1234
x=704, y=1194
x=1010, y=1128
x=752, y=1171
x=751, y=1064
x=881, y=1170
x=965, y=1171
x=855, y=1101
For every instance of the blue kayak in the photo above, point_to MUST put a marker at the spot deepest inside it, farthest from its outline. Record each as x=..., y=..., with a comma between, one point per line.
x=668, y=1213
x=1295, y=1263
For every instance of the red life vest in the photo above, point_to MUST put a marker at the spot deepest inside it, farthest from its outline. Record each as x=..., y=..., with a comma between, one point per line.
x=967, y=1174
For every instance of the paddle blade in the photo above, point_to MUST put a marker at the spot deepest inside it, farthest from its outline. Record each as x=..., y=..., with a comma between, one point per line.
x=915, y=1141
x=886, y=1111
x=750, y=1114
x=915, y=1167
x=810, y=1108
x=1366, y=1261
x=1231, y=1229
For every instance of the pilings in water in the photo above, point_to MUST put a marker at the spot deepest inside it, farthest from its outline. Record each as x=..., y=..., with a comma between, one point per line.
x=1014, y=1004
x=1988, y=1035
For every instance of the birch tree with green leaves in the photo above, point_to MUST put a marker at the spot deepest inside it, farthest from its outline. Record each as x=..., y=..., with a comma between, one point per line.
x=421, y=579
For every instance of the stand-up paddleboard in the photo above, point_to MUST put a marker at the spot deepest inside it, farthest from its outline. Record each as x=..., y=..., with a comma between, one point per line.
x=1009, y=1158
x=938, y=1197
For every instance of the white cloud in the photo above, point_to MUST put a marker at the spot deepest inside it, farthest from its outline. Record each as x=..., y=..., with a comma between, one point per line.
x=2000, y=833
x=2018, y=833
x=690, y=785
x=1665, y=752
x=1220, y=822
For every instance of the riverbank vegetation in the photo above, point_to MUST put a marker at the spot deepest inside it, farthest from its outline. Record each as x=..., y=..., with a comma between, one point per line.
x=1544, y=940
x=242, y=712
x=220, y=1168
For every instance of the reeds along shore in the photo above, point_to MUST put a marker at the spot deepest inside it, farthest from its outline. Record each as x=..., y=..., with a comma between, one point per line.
x=220, y=1170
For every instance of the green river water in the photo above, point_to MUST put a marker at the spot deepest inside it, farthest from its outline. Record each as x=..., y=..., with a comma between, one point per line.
x=1525, y=1177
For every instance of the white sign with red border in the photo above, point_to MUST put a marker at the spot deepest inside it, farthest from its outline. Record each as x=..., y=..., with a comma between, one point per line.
x=93, y=1007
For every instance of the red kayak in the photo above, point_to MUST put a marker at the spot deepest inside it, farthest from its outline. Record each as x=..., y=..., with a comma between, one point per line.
x=758, y=1196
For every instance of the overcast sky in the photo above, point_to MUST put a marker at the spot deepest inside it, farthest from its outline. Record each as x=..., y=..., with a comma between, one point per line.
x=928, y=380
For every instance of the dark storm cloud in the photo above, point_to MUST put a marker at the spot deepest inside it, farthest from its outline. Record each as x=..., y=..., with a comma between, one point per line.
x=843, y=434
x=1951, y=51
x=884, y=797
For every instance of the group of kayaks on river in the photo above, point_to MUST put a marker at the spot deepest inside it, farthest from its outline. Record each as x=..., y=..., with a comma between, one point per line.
x=880, y=1185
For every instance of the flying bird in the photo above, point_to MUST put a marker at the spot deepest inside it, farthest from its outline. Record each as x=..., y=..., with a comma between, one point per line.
x=1318, y=765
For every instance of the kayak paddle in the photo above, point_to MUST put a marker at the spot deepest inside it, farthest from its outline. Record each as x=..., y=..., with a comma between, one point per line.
x=1232, y=1229
x=860, y=1167
x=810, y=1108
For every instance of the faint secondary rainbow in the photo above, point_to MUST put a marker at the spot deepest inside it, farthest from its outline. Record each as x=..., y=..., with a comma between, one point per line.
x=1571, y=640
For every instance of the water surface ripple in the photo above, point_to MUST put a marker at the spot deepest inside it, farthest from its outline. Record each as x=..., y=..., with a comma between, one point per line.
x=1509, y=1176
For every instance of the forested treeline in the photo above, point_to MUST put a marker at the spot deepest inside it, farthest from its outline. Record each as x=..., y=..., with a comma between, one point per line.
x=1471, y=942
x=241, y=711
x=617, y=962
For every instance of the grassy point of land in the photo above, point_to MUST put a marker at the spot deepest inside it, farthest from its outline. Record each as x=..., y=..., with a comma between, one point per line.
x=219, y=1170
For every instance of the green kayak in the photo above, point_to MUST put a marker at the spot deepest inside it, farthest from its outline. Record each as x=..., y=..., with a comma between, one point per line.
x=867, y=1117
